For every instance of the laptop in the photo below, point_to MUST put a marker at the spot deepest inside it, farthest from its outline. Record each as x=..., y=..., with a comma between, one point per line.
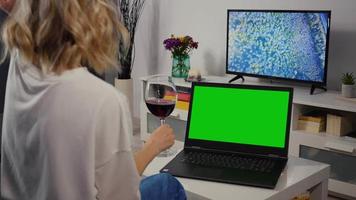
x=235, y=134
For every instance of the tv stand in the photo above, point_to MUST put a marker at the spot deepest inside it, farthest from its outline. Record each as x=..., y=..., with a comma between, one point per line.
x=236, y=78
x=313, y=87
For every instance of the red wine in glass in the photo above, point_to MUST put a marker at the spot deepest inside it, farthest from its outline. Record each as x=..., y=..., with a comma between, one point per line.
x=160, y=107
x=160, y=97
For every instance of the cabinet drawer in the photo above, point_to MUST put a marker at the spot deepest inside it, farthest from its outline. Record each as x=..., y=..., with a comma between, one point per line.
x=178, y=125
x=342, y=165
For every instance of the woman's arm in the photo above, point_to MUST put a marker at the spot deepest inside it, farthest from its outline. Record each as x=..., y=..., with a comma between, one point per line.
x=161, y=139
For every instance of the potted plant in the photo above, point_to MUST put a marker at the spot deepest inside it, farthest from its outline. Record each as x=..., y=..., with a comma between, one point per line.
x=130, y=11
x=348, y=83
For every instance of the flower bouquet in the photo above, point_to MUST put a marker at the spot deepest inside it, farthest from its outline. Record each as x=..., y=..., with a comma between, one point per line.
x=180, y=48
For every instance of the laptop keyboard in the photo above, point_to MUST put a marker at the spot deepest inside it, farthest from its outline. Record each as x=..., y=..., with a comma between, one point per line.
x=229, y=161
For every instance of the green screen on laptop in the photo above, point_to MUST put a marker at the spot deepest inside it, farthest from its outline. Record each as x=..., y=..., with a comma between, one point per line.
x=239, y=115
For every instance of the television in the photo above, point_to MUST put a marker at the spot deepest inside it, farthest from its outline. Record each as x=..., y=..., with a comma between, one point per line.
x=278, y=44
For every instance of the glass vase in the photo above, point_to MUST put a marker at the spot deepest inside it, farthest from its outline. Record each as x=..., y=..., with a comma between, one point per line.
x=180, y=66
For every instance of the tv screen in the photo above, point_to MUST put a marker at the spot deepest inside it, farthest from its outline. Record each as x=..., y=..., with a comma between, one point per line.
x=290, y=45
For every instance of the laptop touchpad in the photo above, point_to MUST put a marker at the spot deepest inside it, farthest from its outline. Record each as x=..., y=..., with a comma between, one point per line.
x=207, y=172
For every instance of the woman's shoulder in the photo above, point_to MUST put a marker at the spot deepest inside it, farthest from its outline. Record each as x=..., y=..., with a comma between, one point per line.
x=85, y=82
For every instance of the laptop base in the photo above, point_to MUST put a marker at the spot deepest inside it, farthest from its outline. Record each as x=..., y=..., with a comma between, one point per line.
x=225, y=175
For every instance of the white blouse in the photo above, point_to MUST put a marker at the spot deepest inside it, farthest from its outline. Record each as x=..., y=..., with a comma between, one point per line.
x=65, y=137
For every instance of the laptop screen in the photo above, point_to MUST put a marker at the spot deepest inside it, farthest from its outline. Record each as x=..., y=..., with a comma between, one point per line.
x=241, y=115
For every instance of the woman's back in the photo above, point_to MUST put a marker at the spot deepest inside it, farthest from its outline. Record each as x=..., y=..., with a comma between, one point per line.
x=59, y=131
x=66, y=134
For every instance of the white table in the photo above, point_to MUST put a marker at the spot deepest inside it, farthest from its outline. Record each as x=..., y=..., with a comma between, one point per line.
x=299, y=176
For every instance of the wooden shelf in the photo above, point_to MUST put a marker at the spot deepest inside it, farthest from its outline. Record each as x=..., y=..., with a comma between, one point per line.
x=321, y=141
x=320, y=135
x=327, y=99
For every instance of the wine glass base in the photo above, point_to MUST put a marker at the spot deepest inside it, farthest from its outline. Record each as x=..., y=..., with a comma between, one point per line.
x=167, y=153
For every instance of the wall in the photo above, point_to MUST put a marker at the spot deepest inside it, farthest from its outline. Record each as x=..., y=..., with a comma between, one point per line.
x=205, y=21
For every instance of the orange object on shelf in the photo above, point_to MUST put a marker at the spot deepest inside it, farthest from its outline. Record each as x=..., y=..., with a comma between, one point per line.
x=183, y=105
x=169, y=97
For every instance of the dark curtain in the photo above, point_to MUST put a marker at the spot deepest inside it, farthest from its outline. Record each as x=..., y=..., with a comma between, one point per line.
x=4, y=68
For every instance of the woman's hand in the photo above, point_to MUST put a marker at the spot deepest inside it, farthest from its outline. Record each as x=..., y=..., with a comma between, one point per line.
x=7, y=5
x=161, y=139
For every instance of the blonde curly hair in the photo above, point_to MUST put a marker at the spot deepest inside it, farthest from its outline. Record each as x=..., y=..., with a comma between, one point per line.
x=57, y=35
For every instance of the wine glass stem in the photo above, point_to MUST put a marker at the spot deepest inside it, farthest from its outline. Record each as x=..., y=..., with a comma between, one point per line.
x=163, y=121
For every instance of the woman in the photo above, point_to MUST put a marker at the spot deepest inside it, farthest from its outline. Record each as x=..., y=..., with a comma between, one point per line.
x=66, y=134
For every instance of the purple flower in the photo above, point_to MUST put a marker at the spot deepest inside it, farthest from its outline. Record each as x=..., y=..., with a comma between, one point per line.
x=180, y=45
x=171, y=43
x=195, y=45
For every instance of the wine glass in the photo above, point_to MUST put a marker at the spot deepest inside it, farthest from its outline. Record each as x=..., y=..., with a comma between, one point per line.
x=160, y=98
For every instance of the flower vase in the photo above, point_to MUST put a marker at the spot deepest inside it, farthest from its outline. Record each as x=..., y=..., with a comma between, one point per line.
x=180, y=66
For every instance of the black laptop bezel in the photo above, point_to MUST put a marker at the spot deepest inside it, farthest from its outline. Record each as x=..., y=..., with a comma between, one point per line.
x=234, y=147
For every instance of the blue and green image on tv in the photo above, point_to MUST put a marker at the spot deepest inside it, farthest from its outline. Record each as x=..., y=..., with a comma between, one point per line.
x=240, y=115
x=281, y=44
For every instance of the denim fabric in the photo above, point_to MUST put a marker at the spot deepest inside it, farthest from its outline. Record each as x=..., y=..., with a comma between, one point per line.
x=161, y=187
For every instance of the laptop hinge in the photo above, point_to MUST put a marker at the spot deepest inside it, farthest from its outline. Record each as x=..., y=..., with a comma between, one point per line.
x=193, y=147
x=215, y=150
x=276, y=156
